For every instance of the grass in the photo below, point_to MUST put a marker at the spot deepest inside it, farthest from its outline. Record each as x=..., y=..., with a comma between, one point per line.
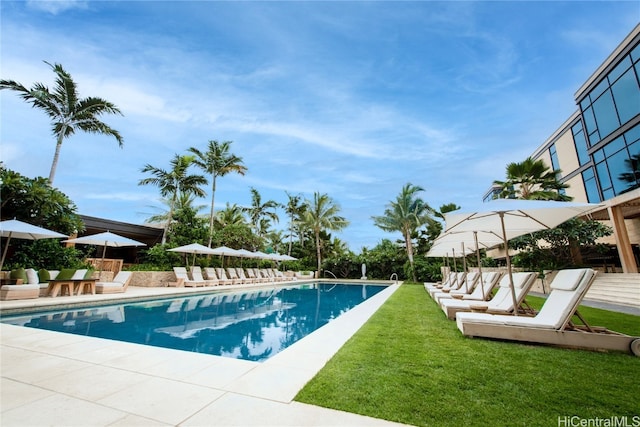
x=410, y=364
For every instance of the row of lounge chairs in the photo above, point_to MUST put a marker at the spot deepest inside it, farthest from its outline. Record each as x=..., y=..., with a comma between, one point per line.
x=53, y=282
x=491, y=313
x=226, y=276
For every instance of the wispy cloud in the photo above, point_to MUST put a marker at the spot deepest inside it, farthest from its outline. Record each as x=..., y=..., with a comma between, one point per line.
x=56, y=6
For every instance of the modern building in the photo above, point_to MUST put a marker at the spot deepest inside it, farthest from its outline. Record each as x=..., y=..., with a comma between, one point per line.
x=598, y=147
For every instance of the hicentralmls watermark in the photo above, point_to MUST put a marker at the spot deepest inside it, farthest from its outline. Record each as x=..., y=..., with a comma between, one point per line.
x=613, y=421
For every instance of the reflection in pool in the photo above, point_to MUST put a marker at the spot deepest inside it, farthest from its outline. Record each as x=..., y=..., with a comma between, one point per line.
x=250, y=325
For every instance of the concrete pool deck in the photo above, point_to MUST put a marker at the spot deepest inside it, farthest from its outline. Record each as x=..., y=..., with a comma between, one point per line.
x=58, y=379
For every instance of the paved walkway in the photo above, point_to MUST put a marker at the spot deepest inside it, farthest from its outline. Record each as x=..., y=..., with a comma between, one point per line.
x=56, y=379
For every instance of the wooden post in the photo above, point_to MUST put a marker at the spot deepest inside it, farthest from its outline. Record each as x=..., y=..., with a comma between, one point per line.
x=622, y=240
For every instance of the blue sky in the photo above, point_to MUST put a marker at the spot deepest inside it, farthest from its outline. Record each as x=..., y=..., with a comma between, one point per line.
x=352, y=99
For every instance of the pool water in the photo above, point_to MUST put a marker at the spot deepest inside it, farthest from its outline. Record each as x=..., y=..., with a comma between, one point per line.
x=251, y=325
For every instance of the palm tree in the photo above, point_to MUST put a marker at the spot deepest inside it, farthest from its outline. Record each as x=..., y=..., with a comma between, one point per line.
x=322, y=214
x=217, y=161
x=258, y=212
x=174, y=183
x=406, y=214
x=67, y=111
x=185, y=201
x=230, y=215
x=294, y=208
x=532, y=180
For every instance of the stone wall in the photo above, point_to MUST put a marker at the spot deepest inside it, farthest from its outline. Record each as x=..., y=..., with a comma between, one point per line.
x=152, y=279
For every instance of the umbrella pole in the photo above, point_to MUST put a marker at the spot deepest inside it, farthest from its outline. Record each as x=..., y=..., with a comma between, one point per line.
x=475, y=238
x=455, y=267
x=464, y=268
x=506, y=248
x=6, y=248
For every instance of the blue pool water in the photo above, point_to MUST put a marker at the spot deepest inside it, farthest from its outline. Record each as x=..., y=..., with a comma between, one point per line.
x=250, y=325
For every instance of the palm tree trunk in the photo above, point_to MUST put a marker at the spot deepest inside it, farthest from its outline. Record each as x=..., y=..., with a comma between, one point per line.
x=56, y=155
x=169, y=219
x=407, y=239
x=290, y=236
x=318, y=253
x=213, y=194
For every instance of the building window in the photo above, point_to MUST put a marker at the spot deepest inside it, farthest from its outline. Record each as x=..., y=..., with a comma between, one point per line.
x=617, y=165
x=580, y=143
x=554, y=157
x=591, y=186
x=614, y=101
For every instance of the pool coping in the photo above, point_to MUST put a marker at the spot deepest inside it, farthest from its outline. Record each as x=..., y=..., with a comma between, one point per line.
x=230, y=391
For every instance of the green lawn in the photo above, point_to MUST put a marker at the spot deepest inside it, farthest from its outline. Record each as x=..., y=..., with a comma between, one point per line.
x=410, y=364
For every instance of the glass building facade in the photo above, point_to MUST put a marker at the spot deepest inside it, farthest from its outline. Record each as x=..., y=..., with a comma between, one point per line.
x=607, y=134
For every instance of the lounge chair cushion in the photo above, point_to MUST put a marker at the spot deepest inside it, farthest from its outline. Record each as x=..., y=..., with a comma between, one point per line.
x=43, y=275
x=66, y=274
x=567, y=280
x=19, y=273
x=32, y=276
x=121, y=277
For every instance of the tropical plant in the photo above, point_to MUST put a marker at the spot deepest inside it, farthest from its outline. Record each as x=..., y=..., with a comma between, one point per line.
x=294, y=208
x=188, y=227
x=173, y=183
x=320, y=215
x=68, y=112
x=217, y=161
x=35, y=201
x=184, y=201
x=561, y=247
x=406, y=214
x=230, y=215
x=258, y=212
x=532, y=180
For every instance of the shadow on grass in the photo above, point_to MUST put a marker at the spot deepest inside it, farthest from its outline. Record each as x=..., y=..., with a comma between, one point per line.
x=411, y=365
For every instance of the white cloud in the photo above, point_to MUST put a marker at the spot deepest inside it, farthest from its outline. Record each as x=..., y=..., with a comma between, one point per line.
x=56, y=6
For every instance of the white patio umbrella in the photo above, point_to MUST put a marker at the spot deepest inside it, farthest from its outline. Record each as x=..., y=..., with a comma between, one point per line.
x=224, y=251
x=106, y=239
x=14, y=228
x=446, y=250
x=195, y=249
x=512, y=217
x=469, y=240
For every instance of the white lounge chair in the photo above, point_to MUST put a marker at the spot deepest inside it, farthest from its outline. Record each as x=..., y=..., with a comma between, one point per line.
x=233, y=275
x=552, y=325
x=502, y=301
x=243, y=276
x=455, y=281
x=212, y=275
x=222, y=275
x=481, y=291
x=119, y=284
x=466, y=287
x=182, y=276
x=196, y=275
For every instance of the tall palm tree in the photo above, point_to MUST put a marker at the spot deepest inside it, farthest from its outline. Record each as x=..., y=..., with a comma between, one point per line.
x=217, y=161
x=322, y=214
x=173, y=183
x=68, y=112
x=260, y=211
x=294, y=208
x=532, y=180
x=406, y=214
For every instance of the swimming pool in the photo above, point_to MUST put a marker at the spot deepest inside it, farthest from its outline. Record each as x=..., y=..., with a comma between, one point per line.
x=251, y=325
